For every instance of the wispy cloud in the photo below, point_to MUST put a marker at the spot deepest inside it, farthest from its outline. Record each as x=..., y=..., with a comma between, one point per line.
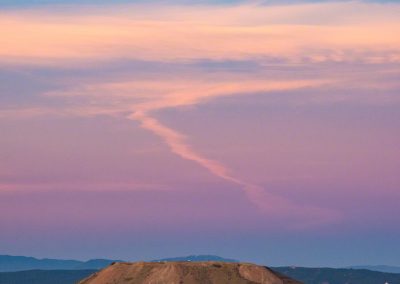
x=191, y=93
x=321, y=32
x=140, y=100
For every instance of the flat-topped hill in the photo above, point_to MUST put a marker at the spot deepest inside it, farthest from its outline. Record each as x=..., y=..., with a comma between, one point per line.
x=186, y=273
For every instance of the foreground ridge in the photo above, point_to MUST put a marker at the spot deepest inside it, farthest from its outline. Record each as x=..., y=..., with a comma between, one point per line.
x=187, y=273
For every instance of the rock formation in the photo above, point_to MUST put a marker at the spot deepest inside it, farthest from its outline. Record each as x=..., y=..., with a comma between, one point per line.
x=187, y=273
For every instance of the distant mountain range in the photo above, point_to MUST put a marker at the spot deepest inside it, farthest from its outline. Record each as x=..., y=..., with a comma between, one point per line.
x=22, y=270
x=381, y=268
x=10, y=263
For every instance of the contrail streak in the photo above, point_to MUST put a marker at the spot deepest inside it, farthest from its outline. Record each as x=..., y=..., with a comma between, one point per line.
x=265, y=201
x=177, y=144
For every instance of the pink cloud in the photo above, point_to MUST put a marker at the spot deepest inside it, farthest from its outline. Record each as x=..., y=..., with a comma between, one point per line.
x=351, y=31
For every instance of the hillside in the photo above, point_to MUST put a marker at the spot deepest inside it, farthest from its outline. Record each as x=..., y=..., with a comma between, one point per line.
x=187, y=273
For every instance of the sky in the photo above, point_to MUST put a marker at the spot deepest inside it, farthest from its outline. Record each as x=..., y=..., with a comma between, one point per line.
x=265, y=131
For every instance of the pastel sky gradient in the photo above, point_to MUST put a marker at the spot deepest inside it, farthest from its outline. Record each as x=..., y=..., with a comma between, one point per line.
x=267, y=131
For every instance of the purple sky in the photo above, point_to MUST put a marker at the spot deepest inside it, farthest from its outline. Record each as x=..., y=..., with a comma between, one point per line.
x=266, y=133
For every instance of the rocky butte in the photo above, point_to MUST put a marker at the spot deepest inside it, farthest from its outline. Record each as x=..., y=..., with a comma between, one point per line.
x=187, y=273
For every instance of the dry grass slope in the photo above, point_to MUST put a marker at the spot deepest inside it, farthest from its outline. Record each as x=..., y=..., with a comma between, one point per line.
x=186, y=273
